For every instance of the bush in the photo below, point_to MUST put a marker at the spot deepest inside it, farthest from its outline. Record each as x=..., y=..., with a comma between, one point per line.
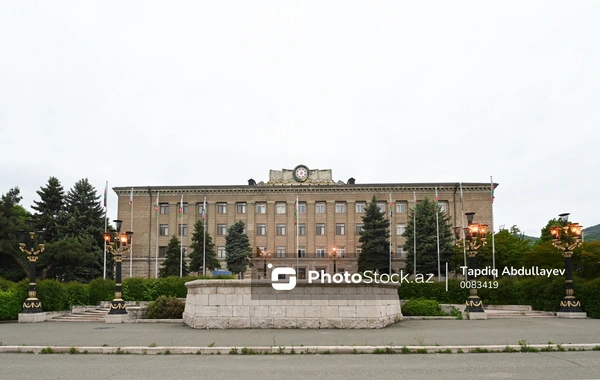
x=11, y=304
x=133, y=289
x=173, y=286
x=165, y=308
x=422, y=307
x=588, y=294
x=77, y=293
x=53, y=295
x=101, y=290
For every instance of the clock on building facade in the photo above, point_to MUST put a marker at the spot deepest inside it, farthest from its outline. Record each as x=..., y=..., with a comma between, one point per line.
x=301, y=173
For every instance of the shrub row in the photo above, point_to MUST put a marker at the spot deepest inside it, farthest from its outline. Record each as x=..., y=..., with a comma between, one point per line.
x=541, y=293
x=59, y=296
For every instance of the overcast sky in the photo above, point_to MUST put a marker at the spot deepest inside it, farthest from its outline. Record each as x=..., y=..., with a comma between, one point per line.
x=217, y=92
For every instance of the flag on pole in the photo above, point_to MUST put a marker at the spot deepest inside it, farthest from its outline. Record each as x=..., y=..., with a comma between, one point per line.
x=105, y=193
x=181, y=207
x=391, y=205
x=156, y=205
x=462, y=206
x=131, y=200
x=437, y=201
x=296, y=212
x=492, y=188
x=204, y=209
x=415, y=200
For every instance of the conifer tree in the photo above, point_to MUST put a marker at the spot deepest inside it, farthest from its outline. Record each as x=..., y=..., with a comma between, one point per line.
x=375, y=240
x=237, y=246
x=49, y=208
x=197, y=246
x=170, y=267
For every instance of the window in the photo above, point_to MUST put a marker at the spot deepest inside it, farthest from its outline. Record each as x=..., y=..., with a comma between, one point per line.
x=221, y=254
x=381, y=206
x=280, y=251
x=280, y=208
x=359, y=228
x=302, y=208
x=200, y=206
x=280, y=229
x=320, y=270
x=301, y=229
x=341, y=251
x=162, y=251
x=221, y=229
x=400, y=253
x=261, y=229
x=301, y=252
x=320, y=252
x=301, y=273
x=340, y=208
x=320, y=207
x=443, y=206
x=261, y=208
x=400, y=229
x=340, y=229
x=241, y=208
x=320, y=229
x=164, y=208
x=358, y=250
x=360, y=207
x=221, y=208
x=182, y=229
x=183, y=209
x=401, y=207
x=164, y=230
x=185, y=250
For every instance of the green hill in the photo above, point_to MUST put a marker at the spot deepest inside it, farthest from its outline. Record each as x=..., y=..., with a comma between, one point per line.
x=592, y=233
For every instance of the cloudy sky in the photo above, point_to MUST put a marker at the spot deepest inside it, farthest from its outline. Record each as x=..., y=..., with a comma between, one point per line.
x=216, y=92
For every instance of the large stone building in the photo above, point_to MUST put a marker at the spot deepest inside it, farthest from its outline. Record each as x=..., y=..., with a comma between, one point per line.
x=330, y=215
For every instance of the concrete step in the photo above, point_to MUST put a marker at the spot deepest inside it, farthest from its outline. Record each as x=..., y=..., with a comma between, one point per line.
x=93, y=315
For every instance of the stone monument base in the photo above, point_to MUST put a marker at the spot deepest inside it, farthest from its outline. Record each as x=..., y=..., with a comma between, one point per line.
x=32, y=317
x=571, y=314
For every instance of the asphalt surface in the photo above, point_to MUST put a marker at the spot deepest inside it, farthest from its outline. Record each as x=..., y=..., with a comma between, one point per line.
x=532, y=331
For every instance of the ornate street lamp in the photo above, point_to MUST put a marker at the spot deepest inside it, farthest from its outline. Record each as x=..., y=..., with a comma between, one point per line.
x=266, y=255
x=334, y=256
x=566, y=238
x=28, y=246
x=474, y=236
x=118, y=244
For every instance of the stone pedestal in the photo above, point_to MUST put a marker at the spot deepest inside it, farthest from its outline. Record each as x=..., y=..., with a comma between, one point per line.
x=32, y=317
x=116, y=318
x=479, y=315
x=233, y=304
x=571, y=315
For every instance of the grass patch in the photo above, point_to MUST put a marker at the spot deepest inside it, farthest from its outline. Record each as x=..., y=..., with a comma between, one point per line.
x=479, y=350
x=47, y=350
x=248, y=351
x=233, y=351
x=525, y=346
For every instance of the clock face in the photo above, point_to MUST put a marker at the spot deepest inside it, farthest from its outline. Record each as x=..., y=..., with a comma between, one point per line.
x=301, y=173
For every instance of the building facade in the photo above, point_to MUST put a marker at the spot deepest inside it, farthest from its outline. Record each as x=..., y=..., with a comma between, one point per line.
x=329, y=216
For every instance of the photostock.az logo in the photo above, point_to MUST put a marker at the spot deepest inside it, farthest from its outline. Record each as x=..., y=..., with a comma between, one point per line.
x=291, y=284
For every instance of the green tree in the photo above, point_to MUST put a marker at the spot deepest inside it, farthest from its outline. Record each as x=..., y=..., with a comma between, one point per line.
x=426, y=238
x=13, y=217
x=374, y=239
x=546, y=236
x=197, y=246
x=49, y=208
x=237, y=246
x=171, y=265
x=69, y=259
x=511, y=247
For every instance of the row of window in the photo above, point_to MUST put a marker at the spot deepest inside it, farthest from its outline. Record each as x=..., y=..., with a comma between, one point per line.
x=281, y=207
x=261, y=229
x=280, y=252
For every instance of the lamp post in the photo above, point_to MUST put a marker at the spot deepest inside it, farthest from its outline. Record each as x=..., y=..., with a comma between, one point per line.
x=265, y=256
x=27, y=245
x=474, y=236
x=566, y=238
x=118, y=244
x=334, y=256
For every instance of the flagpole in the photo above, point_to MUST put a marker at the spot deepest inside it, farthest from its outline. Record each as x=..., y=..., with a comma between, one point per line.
x=204, y=240
x=105, y=224
x=493, y=243
x=181, y=235
x=297, y=217
x=156, y=211
x=415, y=234
x=462, y=206
x=131, y=249
x=390, y=269
x=437, y=230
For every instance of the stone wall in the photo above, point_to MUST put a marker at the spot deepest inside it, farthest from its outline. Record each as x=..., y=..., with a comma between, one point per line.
x=231, y=304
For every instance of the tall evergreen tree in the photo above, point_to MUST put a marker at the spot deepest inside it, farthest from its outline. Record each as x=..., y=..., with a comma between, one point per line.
x=170, y=267
x=426, y=238
x=375, y=255
x=13, y=217
x=49, y=208
x=197, y=246
x=237, y=246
